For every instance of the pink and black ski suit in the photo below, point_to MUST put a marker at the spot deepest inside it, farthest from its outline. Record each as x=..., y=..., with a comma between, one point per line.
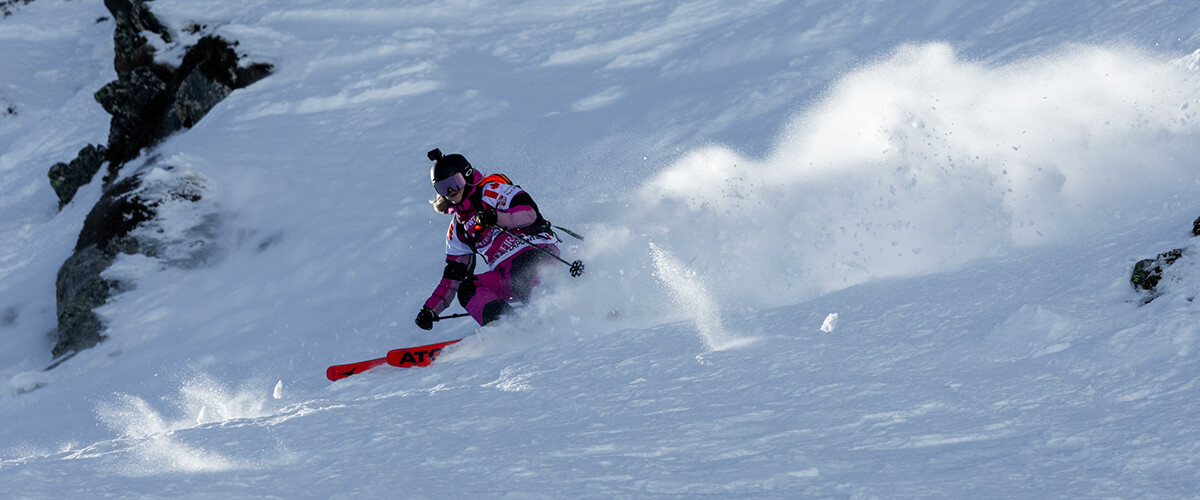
x=513, y=263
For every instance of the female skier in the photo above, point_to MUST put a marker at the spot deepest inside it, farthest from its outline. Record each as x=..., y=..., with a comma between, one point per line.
x=492, y=219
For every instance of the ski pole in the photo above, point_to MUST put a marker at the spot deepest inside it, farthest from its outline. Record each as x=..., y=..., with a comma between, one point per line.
x=452, y=316
x=576, y=267
x=570, y=232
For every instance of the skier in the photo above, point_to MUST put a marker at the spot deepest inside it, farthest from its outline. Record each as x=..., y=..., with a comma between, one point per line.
x=488, y=215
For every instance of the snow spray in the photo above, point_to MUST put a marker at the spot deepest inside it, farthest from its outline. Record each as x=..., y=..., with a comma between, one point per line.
x=690, y=295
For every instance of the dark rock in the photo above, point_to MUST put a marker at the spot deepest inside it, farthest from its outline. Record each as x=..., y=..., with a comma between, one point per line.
x=135, y=15
x=196, y=96
x=79, y=286
x=208, y=75
x=142, y=92
x=66, y=179
x=136, y=103
x=148, y=102
x=214, y=58
x=127, y=220
x=114, y=216
x=80, y=289
x=248, y=75
x=1196, y=227
x=1147, y=273
x=130, y=48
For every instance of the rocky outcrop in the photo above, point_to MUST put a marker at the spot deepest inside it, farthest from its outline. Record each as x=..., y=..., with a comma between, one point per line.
x=79, y=285
x=148, y=102
x=67, y=178
x=209, y=73
x=1148, y=273
x=135, y=101
x=129, y=219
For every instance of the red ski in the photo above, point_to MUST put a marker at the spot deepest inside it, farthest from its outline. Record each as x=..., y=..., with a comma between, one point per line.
x=407, y=357
x=338, y=372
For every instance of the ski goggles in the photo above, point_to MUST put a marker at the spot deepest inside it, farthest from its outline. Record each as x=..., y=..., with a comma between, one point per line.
x=453, y=184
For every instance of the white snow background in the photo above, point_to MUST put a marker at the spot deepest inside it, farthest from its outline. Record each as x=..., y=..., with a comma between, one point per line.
x=967, y=185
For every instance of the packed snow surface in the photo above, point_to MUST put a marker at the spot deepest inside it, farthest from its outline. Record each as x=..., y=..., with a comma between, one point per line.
x=852, y=249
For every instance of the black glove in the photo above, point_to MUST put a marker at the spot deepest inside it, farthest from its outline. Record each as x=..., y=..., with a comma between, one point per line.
x=485, y=218
x=425, y=318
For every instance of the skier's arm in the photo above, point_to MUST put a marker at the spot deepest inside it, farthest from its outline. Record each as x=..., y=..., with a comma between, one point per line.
x=520, y=213
x=458, y=268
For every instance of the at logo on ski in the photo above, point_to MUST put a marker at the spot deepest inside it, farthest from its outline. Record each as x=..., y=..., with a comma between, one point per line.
x=407, y=357
x=416, y=356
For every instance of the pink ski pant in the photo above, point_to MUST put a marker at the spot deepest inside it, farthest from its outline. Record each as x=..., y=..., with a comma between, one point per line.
x=488, y=295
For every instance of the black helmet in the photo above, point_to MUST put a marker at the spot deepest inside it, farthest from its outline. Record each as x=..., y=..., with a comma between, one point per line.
x=450, y=172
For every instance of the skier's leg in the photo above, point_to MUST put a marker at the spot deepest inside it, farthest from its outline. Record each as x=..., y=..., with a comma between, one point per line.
x=493, y=310
x=485, y=297
x=525, y=268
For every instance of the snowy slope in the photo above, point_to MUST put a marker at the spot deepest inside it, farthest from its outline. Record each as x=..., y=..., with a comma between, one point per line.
x=966, y=186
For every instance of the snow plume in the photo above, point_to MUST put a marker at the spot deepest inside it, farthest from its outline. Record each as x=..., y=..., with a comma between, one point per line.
x=693, y=298
x=159, y=443
x=156, y=446
x=922, y=161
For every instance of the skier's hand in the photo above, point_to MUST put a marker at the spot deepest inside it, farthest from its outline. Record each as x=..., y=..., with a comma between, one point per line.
x=485, y=218
x=425, y=318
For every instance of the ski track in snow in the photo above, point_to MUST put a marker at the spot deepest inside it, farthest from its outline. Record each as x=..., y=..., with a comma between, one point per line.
x=966, y=186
